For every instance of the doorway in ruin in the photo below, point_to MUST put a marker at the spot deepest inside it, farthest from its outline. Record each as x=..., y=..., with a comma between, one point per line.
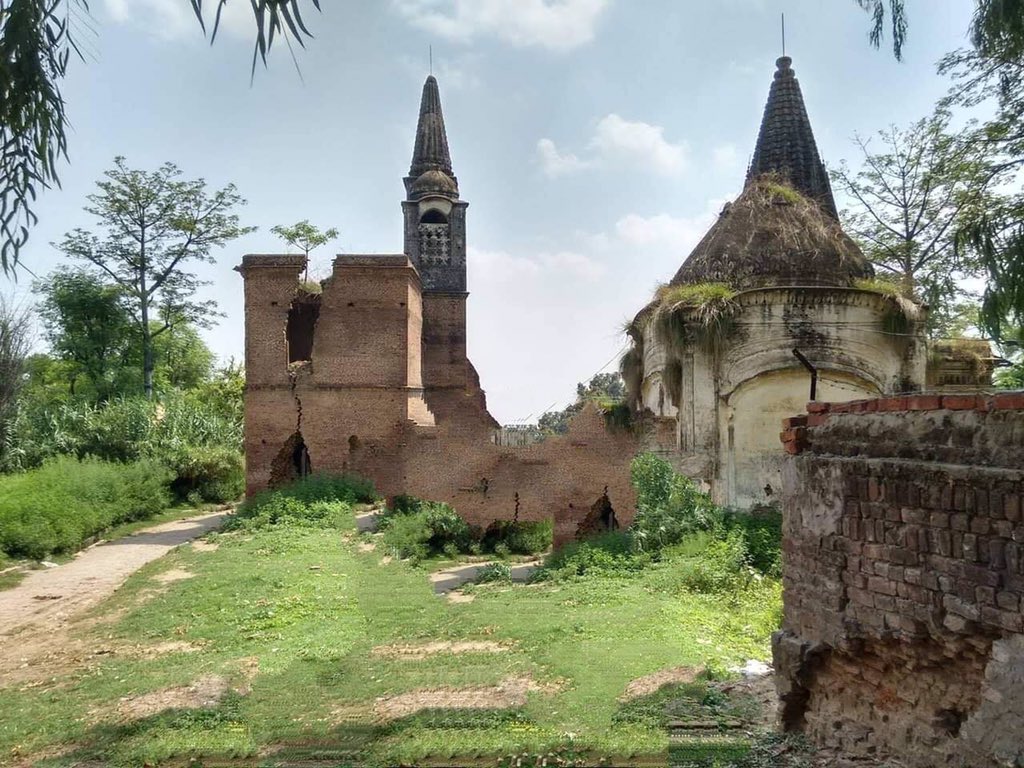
x=291, y=463
x=600, y=519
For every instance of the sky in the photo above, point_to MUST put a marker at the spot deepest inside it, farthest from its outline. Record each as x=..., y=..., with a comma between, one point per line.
x=595, y=141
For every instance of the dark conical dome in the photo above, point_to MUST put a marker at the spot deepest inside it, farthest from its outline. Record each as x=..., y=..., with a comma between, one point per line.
x=785, y=143
x=770, y=236
x=431, y=151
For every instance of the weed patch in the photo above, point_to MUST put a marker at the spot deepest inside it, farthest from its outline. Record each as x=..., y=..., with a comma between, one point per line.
x=57, y=507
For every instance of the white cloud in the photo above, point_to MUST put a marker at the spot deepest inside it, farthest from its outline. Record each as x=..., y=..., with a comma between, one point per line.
x=174, y=19
x=673, y=235
x=636, y=142
x=503, y=267
x=618, y=143
x=167, y=19
x=558, y=25
x=555, y=163
x=567, y=301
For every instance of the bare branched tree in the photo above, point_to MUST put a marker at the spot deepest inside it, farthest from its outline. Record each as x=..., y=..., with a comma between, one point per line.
x=15, y=340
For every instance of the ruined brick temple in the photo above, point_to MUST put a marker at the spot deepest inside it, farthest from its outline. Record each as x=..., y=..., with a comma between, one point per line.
x=370, y=375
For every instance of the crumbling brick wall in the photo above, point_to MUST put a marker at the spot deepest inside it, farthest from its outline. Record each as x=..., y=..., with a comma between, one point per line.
x=384, y=389
x=903, y=567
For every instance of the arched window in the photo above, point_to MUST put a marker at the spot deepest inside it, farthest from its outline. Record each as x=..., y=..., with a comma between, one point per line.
x=433, y=216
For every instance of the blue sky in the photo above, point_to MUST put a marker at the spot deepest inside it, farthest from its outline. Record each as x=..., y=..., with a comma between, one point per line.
x=595, y=140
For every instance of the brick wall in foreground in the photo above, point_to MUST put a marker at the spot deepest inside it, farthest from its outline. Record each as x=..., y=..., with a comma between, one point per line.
x=904, y=578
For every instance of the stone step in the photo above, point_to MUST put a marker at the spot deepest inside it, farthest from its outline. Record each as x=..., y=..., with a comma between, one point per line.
x=366, y=522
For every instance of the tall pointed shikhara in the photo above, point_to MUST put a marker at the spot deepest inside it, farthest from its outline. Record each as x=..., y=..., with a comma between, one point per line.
x=785, y=145
x=431, y=150
x=435, y=217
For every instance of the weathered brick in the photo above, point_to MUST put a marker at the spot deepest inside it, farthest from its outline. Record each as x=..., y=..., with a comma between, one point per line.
x=1012, y=622
x=881, y=586
x=960, y=402
x=1011, y=507
x=997, y=553
x=1007, y=601
x=961, y=607
x=923, y=403
x=939, y=520
x=1008, y=401
x=959, y=522
x=970, y=547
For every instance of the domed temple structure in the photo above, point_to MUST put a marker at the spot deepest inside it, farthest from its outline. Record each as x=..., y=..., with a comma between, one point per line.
x=774, y=296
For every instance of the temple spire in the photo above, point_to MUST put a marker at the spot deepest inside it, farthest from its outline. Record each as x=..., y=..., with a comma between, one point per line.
x=785, y=144
x=431, y=151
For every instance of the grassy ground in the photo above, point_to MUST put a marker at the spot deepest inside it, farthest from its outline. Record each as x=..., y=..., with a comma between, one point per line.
x=17, y=570
x=288, y=620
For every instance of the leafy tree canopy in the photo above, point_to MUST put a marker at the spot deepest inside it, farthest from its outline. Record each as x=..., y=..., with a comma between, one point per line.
x=154, y=225
x=605, y=388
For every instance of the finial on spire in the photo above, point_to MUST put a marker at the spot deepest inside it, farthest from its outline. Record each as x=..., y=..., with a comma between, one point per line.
x=431, y=55
x=783, y=35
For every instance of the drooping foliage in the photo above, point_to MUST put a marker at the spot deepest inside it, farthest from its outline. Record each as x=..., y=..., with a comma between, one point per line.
x=37, y=40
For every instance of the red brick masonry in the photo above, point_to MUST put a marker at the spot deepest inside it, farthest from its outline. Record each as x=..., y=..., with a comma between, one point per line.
x=903, y=567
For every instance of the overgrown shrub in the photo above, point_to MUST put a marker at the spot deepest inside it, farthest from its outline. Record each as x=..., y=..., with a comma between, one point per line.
x=517, y=537
x=433, y=529
x=762, y=536
x=610, y=554
x=669, y=505
x=57, y=507
x=493, y=572
x=349, y=489
x=207, y=474
x=714, y=564
x=283, y=510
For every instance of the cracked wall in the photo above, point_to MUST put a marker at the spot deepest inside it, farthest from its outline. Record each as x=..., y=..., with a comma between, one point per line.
x=903, y=568
x=386, y=391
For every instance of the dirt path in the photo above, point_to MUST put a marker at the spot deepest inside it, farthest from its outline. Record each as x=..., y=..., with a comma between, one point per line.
x=34, y=616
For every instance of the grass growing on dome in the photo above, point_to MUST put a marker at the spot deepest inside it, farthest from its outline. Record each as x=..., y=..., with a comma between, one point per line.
x=904, y=312
x=784, y=192
x=698, y=311
x=881, y=285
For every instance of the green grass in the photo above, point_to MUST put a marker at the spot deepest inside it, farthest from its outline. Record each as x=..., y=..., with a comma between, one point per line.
x=310, y=607
x=24, y=567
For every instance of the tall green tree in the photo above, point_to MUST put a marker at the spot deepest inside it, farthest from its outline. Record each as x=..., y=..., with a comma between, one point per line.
x=912, y=190
x=306, y=237
x=88, y=325
x=994, y=235
x=155, y=226
x=37, y=41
